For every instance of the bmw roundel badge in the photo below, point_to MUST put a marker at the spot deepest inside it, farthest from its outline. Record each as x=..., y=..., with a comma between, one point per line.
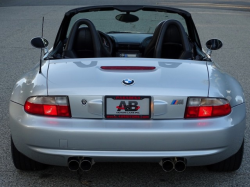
x=128, y=81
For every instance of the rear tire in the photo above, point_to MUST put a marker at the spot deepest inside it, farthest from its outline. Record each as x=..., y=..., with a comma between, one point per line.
x=22, y=162
x=230, y=164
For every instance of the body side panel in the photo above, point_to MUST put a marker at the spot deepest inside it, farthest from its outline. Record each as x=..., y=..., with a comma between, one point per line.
x=224, y=85
x=31, y=84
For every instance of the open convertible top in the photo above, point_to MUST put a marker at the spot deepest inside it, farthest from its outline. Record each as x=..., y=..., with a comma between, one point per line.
x=62, y=33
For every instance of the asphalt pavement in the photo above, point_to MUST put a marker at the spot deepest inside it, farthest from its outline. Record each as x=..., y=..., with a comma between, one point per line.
x=21, y=22
x=241, y=5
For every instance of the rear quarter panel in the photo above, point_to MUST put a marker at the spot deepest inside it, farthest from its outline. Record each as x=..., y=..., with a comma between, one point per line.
x=224, y=85
x=31, y=84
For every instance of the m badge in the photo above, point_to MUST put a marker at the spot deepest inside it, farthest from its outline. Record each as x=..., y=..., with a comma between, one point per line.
x=177, y=102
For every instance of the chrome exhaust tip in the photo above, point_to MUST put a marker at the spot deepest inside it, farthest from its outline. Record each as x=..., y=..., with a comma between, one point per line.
x=167, y=164
x=73, y=164
x=86, y=164
x=180, y=164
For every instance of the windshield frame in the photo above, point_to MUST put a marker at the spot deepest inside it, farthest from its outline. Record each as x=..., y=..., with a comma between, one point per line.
x=106, y=21
x=62, y=32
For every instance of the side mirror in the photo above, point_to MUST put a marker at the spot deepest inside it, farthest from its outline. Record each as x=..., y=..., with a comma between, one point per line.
x=39, y=42
x=213, y=44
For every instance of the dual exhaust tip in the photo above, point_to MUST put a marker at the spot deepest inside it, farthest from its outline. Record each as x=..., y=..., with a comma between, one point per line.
x=168, y=164
x=75, y=163
x=178, y=164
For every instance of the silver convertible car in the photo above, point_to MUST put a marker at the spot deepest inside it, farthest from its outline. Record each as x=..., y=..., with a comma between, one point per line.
x=127, y=84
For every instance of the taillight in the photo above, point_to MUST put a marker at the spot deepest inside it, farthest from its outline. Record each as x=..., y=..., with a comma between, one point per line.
x=48, y=106
x=207, y=107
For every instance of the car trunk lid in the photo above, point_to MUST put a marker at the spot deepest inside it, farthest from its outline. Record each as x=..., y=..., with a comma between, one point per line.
x=169, y=84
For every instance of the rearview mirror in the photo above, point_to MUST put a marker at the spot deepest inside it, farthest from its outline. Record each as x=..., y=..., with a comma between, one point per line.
x=39, y=42
x=127, y=18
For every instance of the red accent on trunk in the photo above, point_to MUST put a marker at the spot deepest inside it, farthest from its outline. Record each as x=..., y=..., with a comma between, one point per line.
x=127, y=67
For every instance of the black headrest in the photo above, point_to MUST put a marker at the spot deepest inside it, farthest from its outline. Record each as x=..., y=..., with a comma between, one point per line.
x=173, y=34
x=75, y=38
x=172, y=31
x=83, y=39
x=149, y=51
x=157, y=30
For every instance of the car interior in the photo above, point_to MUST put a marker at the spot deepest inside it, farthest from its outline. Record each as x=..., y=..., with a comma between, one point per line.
x=168, y=41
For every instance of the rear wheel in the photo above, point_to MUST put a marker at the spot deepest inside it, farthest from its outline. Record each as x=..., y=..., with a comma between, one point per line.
x=230, y=164
x=22, y=162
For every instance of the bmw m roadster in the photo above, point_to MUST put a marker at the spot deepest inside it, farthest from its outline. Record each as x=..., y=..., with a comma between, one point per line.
x=128, y=84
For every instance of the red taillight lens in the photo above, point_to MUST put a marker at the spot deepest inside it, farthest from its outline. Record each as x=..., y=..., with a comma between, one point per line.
x=48, y=106
x=33, y=108
x=50, y=110
x=191, y=112
x=221, y=110
x=207, y=107
x=205, y=111
x=63, y=111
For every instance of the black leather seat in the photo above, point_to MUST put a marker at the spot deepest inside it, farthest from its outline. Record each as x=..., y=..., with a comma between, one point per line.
x=83, y=46
x=149, y=50
x=84, y=42
x=172, y=41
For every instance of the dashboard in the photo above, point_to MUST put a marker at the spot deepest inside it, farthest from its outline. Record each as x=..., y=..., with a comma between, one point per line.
x=129, y=44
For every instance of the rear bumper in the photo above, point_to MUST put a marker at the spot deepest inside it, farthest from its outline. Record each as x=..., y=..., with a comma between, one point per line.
x=54, y=140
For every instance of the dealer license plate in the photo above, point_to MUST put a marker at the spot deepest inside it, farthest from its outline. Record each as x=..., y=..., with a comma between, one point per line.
x=127, y=107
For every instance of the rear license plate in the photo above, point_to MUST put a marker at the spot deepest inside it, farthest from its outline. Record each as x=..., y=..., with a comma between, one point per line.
x=127, y=107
